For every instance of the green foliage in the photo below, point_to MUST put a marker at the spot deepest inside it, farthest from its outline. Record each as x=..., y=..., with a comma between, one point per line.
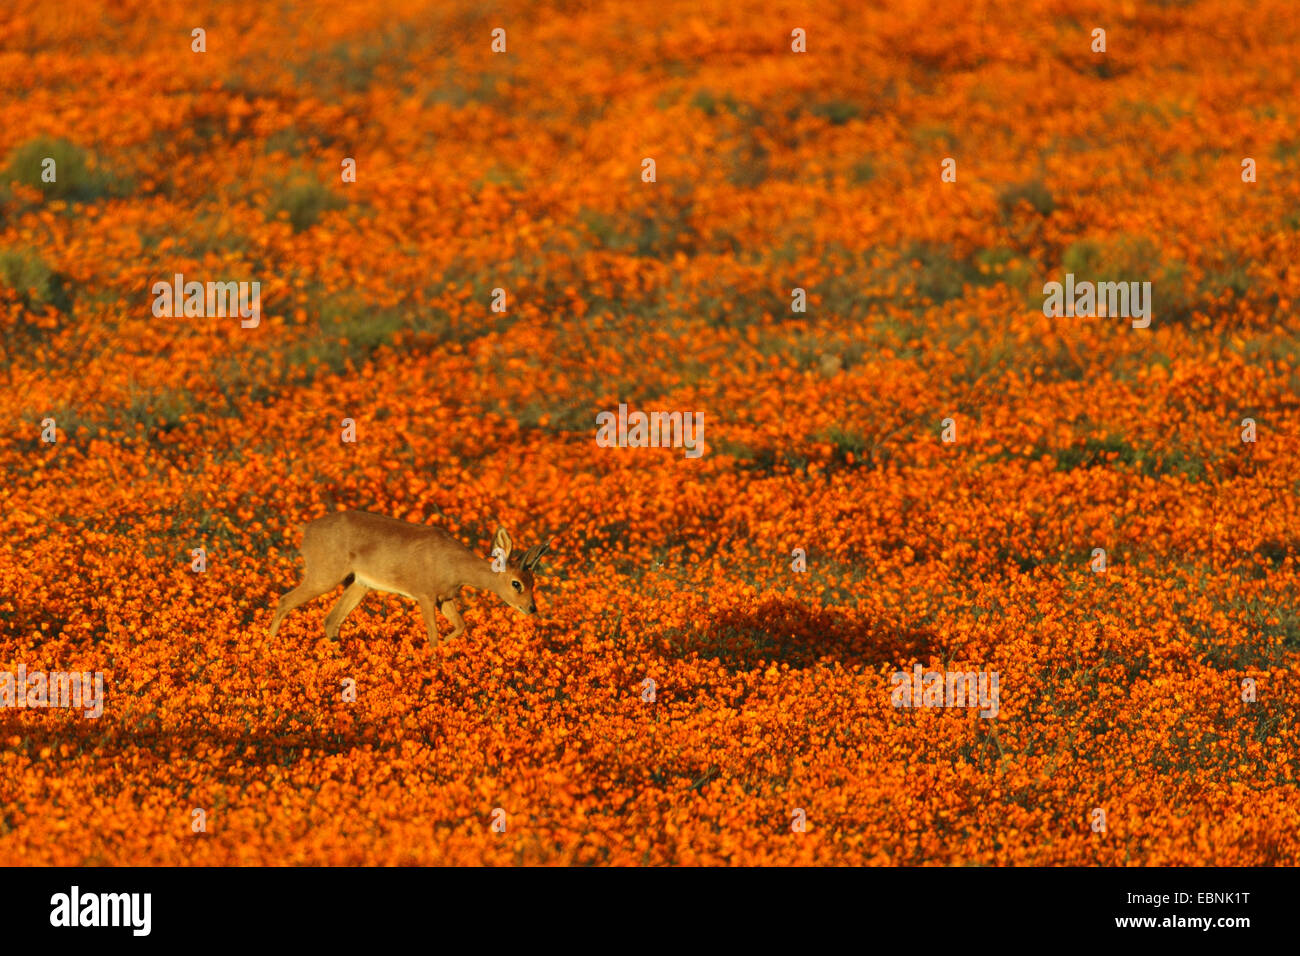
x=931, y=135
x=845, y=443
x=936, y=274
x=351, y=330
x=79, y=177
x=1006, y=264
x=303, y=199
x=863, y=171
x=837, y=112
x=1033, y=191
x=658, y=232
x=1133, y=259
x=36, y=284
x=1094, y=451
x=712, y=105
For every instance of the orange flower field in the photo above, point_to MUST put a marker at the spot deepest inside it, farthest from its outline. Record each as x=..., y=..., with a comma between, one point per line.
x=463, y=235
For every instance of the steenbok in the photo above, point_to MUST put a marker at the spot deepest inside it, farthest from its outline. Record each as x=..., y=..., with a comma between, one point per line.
x=363, y=551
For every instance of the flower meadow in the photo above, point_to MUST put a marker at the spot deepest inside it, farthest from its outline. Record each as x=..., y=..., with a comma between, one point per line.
x=834, y=261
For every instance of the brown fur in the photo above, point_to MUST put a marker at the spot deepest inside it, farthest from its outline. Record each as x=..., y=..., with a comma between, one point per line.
x=364, y=551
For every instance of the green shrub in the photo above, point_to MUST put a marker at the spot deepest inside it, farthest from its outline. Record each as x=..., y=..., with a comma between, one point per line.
x=863, y=171
x=711, y=104
x=1006, y=264
x=303, y=198
x=35, y=282
x=930, y=135
x=845, y=443
x=1133, y=259
x=78, y=175
x=658, y=233
x=937, y=274
x=1034, y=192
x=837, y=112
x=352, y=329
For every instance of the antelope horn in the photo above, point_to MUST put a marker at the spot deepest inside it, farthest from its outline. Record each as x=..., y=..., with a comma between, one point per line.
x=534, y=554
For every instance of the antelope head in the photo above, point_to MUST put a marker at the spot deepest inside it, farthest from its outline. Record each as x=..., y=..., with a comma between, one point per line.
x=514, y=584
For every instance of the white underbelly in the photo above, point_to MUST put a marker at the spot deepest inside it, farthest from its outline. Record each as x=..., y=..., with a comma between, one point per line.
x=381, y=586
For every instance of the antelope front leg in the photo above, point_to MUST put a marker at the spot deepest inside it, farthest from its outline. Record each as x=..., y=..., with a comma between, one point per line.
x=430, y=620
x=450, y=612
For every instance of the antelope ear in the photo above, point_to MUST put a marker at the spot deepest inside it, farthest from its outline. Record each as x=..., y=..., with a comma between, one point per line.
x=530, y=558
x=502, y=541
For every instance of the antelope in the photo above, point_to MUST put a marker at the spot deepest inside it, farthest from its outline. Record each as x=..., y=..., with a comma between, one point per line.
x=365, y=551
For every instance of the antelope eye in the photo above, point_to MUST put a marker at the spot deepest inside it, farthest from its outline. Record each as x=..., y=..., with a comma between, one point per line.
x=517, y=586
